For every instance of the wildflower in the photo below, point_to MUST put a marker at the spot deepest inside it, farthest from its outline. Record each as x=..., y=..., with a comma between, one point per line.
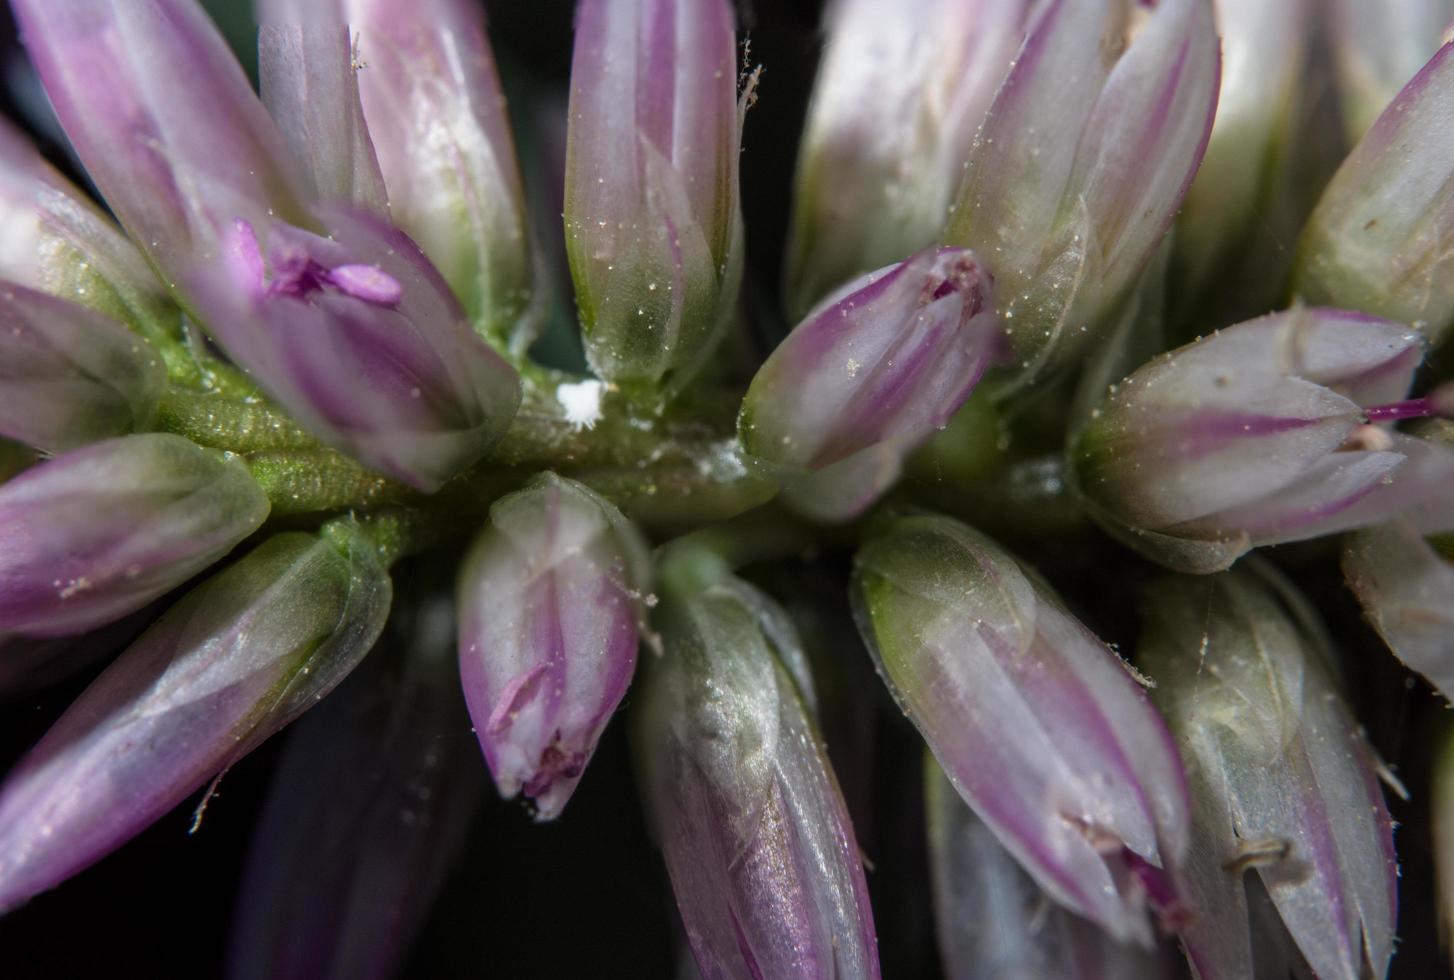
x=652, y=220
x=1265, y=432
x=239, y=657
x=1039, y=726
x=868, y=376
x=550, y=596
x=1081, y=163
x=1283, y=785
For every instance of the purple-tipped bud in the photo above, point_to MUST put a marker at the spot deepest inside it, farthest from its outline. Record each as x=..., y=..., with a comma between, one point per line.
x=1284, y=785
x=1041, y=728
x=434, y=107
x=1082, y=162
x=1262, y=433
x=1376, y=241
x=1378, y=45
x=240, y=656
x=1264, y=51
x=69, y=375
x=899, y=96
x=995, y=923
x=873, y=372
x=550, y=604
x=55, y=240
x=101, y=531
x=336, y=313
x=372, y=799
x=756, y=836
x=1406, y=587
x=652, y=221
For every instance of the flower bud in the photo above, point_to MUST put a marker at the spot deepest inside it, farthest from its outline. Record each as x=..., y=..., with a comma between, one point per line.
x=371, y=801
x=309, y=76
x=900, y=93
x=1378, y=45
x=653, y=227
x=1256, y=435
x=434, y=107
x=755, y=833
x=1283, y=782
x=68, y=375
x=1406, y=588
x=1375, y=241
x=1082, y=162
x=240, y=657
x=1042, y=730
x=335, y=312
x=872, y=373
x=550, y=599
x=53, y=239
x=1264, y=52
x=995, y=923
x=101, y=531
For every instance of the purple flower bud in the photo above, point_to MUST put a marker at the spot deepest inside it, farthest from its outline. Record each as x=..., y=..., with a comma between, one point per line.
x=1375, y=241
x=240, y=656
x=550, y=603
x=756, y=837
x=1082, y=162
x=1264, y=52
x=337, y=314
x=1040, y=727
x=652, y=222
x=900, y=93
x=1378, y=45
x=995, y=923
x=1262, y=433
x=1283, y=782
x=68, y=375
x=433, y=104
x=1406, y=587
x=868, y=376
x=310, y=86
x=101, y=531
x=55, y=240
x=372, y=799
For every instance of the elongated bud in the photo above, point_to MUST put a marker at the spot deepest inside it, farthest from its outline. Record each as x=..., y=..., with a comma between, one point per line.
x=1259, y=434
x=995, y=923
x=868, y=376
x=1264, y=51
x=56, y=241
x=899, y=96
x=101, y=531
x=386, y=761
x=1378, y=45
x=757, y=840
x=68, y=375
x=1042, y=730
x=1082, y=162
x=652, y=221
x=307, y=295
x=309, y=82
x=1442, y=806
x=240, y=656
x=1284, y=785
x=434, y=107
x=1375, y=241
x=550, y=601
x=1406, y=587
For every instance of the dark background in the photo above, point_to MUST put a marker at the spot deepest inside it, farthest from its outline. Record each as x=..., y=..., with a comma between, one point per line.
x=587, y=896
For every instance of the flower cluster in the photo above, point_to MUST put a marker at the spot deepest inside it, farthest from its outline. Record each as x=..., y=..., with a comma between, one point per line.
x=1093, y=298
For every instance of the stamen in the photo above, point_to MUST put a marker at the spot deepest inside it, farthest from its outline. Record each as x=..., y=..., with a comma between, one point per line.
x=1413, y=408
